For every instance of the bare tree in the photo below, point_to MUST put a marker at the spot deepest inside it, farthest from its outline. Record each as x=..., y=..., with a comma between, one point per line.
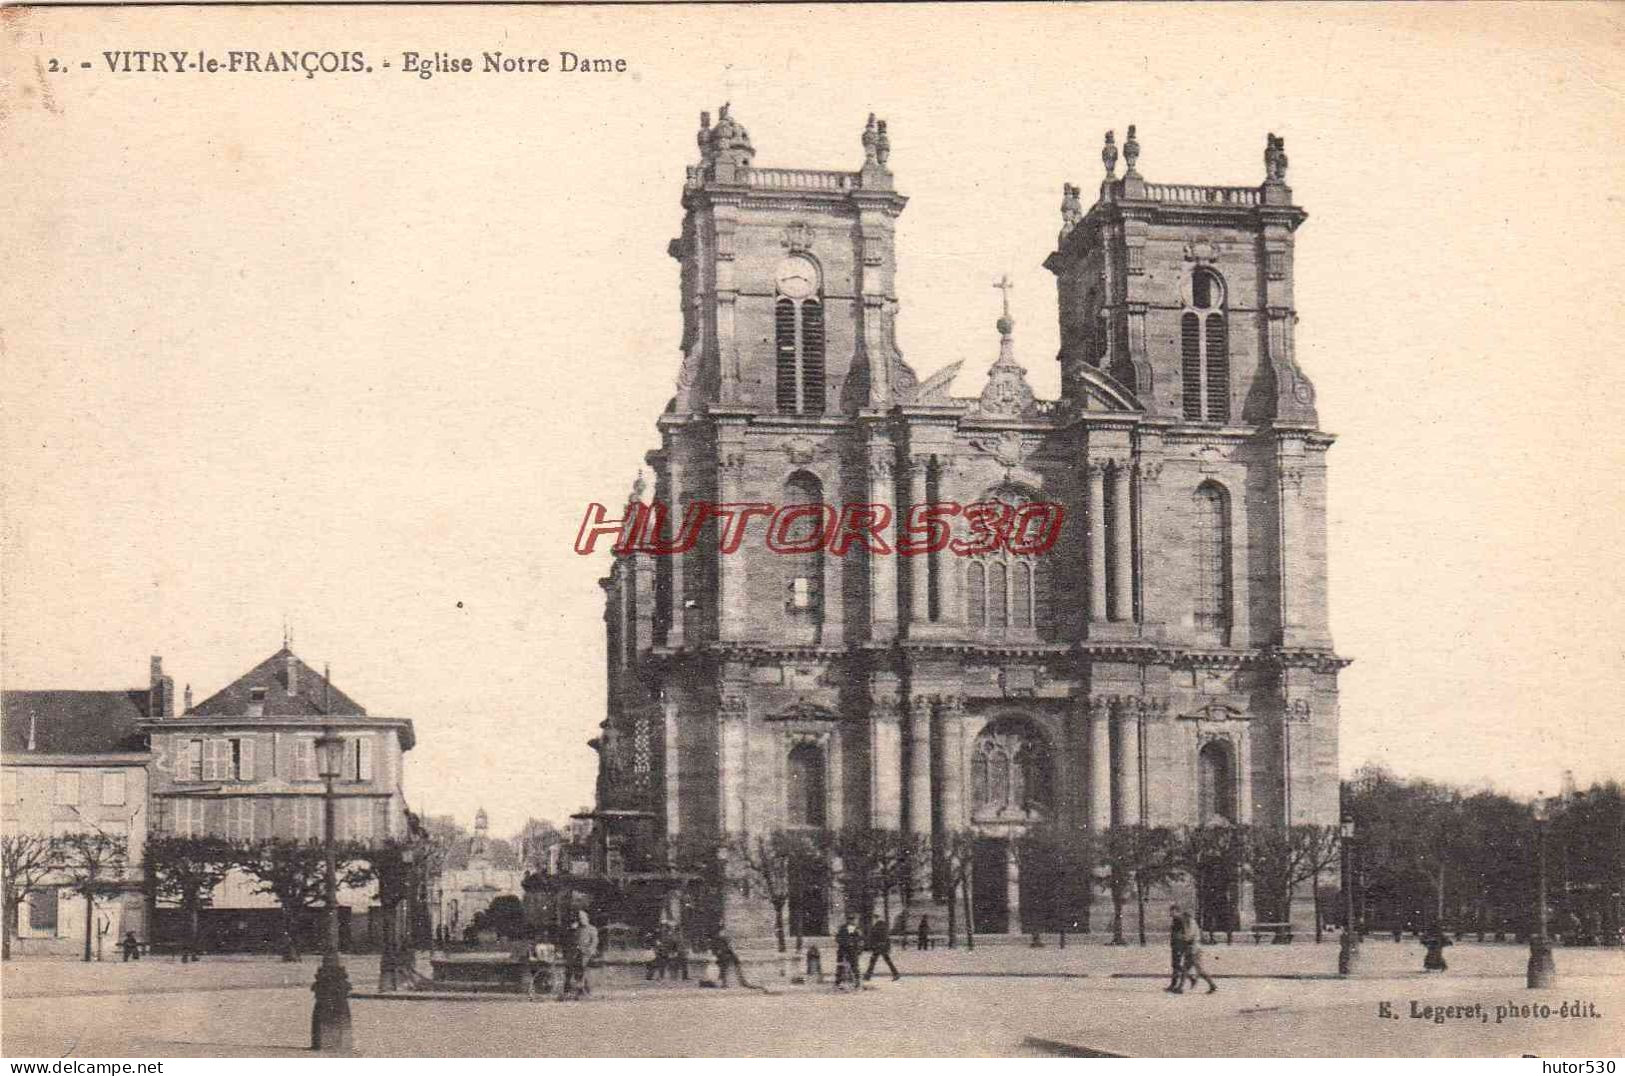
x=768, y=862
x=94, y=866
x=26, y=860
x=959, y=865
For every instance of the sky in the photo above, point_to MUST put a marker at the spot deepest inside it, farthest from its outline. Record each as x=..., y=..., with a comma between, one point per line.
x=354, y=352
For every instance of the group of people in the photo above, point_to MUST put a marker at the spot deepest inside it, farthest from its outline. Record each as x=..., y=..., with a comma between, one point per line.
x=1185, y=952
x=850, y=942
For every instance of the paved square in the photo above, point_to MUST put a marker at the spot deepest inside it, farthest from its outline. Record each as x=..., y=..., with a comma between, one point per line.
x=1001, y=1000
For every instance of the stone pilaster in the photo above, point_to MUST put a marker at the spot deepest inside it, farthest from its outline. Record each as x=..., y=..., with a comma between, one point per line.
x=1122, y=542
x=1100, y=766
x=1096, y=514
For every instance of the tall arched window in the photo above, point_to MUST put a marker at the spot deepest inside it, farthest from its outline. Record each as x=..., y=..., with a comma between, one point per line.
x=804, y=783
x=1010, y=769
x=804, y=572
x=798, y=330
x=1216, y=784
x=1211, y=542
x=1002, y=590
x=1205, y=350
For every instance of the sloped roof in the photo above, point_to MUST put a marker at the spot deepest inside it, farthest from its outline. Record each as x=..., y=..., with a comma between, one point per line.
x=73, y=722
x=310, y=696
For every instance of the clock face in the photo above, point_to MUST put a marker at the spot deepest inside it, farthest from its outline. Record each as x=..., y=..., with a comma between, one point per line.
x=797, y=278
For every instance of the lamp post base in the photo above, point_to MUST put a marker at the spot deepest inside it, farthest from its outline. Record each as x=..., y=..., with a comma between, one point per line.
x=1348, y=954
x=1542, y=968
x=330, y=1018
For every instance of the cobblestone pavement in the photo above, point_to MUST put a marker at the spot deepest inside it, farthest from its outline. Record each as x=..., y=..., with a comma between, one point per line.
x=1001, y=1000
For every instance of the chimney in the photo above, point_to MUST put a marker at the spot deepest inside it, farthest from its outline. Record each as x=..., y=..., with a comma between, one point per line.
x=188, y=708
x=291, y=663
x=161, y=692
x=327, y=689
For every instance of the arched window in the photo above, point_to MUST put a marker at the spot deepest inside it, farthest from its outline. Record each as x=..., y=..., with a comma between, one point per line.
x=1211, y=542
x=804, y=786
x=1010, y=769
x=1205, y=351
x=1216, y=784
x=798, y=331
x=976, y=594
x=804, y=572
x=1002, y=590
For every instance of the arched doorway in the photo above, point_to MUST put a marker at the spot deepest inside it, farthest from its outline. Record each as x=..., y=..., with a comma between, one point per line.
x=1011, y=790
x=806, y=809
x=1218, y=875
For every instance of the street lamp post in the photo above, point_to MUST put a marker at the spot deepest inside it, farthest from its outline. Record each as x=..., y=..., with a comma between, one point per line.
x=1542, y=969
x=1348, y=952
x=330, y=1018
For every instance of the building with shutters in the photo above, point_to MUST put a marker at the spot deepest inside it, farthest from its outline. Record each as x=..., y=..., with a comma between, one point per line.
x=1168, y=661
x=76, y=762
x=242, y=764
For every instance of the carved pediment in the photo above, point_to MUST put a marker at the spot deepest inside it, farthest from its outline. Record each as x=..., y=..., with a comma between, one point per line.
x=804, y=710
x=1215, y=711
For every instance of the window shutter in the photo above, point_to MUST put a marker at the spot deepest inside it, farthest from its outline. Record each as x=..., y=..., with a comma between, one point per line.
x=1218, y=370
x=363, y=758
x=784, y=327
x=211, y=756
x=812, y=357
x=246, y=759
x=1191, y=365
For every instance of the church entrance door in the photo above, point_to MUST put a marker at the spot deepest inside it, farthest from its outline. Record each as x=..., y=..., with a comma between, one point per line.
x=990, y=886
x=809, y=901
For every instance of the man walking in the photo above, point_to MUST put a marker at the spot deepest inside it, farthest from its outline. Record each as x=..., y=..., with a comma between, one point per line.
x=722, y=949
x=1176, y=950
x=1192, y=939
x=848, y=947
x=880, y=948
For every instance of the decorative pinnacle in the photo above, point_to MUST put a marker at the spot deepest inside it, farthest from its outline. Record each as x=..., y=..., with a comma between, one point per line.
x=1131, y=152
x=871, y=139
x=1108, y=155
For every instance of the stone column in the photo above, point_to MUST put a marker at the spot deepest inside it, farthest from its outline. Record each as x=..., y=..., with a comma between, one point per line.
x=731, y=751
x=673, y=769
x=920, y=720
x=1122, y=542
x=1127, y=808
x=919, y=565
x=1097, y=540
x=1012, y=885
x=1100, y=766
x=677, y=613
x=948, y=565
x=882, y=569
x=919, y=766
x=950, y=736
x=1293, y=560
x=885, y=760
x=730, y=598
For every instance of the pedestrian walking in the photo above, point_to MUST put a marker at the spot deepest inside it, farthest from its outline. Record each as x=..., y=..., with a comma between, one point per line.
x=848, y=948
x=583, y=945
x=1176, y=951
x=722, y=949
x=1191, y=936
x=131, y=947
x=1435, y=940
x=925, y=933
x=880, y=948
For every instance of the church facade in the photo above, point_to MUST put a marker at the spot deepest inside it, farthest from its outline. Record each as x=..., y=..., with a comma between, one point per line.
x=1168, y=661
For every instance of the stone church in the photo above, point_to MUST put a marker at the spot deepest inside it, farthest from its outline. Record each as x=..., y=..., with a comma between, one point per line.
x=1167, y=662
